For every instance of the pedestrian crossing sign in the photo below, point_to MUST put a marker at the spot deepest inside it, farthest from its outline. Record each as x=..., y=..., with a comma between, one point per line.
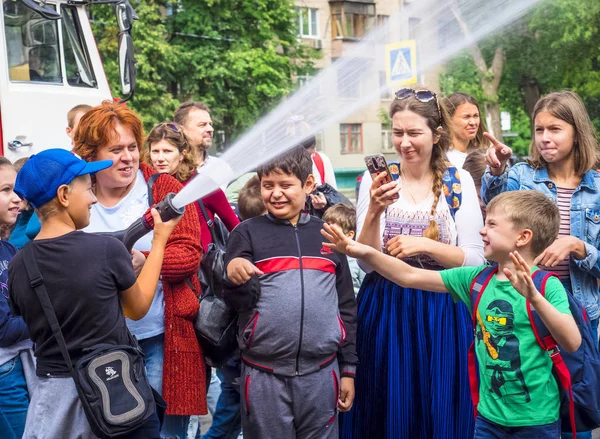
x=401, y=63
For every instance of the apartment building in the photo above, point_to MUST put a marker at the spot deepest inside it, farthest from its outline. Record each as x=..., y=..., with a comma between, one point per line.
x=333, y=27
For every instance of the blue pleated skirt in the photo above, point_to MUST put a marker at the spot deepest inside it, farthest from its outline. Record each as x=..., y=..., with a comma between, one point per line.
x=412, y=381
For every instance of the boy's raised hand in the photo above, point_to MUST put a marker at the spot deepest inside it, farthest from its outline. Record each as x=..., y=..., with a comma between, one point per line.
x=346, y=394
x=340, y=242
x=240, y=270
x=521, y=279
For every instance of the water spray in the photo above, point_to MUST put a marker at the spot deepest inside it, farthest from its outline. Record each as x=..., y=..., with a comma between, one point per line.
x=172, y=205
x=324, y=100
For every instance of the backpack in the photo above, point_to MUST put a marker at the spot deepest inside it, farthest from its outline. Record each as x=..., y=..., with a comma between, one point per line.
x=577, y=373
x=450, y=185
x=332, y=195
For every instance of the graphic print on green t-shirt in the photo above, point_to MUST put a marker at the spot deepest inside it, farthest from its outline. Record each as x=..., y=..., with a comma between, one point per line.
x=516, y=384
x=502, y=372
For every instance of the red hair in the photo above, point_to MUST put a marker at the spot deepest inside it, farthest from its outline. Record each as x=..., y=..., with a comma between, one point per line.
x=98, y=127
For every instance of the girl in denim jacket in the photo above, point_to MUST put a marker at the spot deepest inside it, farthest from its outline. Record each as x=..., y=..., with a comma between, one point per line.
x=563, y=157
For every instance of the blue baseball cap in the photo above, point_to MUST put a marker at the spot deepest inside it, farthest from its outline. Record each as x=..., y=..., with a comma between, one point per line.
x=42, y=175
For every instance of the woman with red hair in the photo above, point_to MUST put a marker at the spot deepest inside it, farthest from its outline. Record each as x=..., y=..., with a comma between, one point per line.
x=174, y=360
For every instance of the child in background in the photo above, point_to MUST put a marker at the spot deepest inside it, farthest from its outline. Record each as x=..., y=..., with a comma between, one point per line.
x=345, y=218
x=297, y=322
x=475, y=165
x=74, y=116
x=18, y=235
x=14, y=338
x=519, y=395
x=250, y=202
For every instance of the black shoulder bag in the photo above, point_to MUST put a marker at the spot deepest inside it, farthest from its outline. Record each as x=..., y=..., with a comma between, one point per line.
x=110, y=379
x=215, y=324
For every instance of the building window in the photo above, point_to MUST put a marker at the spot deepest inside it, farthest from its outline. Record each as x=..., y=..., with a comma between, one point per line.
x=413, y=25
x=448, y=31
x=351, y=138
x=383, y=22
x=308, y=22
x=311, y=91
x=352, y=20
x=384, y=88
x=303, y=80
x=319, y=141
x=386, y=141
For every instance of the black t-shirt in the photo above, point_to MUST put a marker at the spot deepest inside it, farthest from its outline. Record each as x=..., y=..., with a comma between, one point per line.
x=83, y=274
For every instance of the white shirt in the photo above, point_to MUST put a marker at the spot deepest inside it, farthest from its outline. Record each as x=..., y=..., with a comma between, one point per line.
x=119, y=217
x=464, y=229
x=457, y=158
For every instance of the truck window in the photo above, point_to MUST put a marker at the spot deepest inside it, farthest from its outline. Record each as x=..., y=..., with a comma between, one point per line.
x=77, y=61
x=32, y=45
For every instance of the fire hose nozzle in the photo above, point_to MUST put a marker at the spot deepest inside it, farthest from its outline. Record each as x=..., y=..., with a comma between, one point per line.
x=145, y=224
x=165, y=208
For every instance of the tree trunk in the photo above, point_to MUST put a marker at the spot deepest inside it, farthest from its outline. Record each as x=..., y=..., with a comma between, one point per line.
x=492, y=109
x=531, y=94
x=490, y=76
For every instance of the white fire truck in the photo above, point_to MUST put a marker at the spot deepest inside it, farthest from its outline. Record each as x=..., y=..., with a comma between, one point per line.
x=49, y=62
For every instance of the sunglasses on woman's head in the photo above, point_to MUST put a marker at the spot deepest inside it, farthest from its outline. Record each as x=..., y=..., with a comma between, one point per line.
x=424, y=96
x=173, y=127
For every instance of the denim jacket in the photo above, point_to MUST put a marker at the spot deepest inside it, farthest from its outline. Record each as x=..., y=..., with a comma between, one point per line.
x=585, y=222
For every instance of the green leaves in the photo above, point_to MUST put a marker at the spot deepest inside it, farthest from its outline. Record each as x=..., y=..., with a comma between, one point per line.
x=556, y=46
x=237, y=56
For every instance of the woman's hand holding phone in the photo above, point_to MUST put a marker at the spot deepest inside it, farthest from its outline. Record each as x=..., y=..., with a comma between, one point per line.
x=383, y=194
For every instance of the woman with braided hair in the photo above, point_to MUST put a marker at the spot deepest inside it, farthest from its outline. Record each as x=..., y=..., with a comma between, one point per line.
x=412, y=381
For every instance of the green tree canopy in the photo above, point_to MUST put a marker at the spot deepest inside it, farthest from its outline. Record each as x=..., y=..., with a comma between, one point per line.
x=240, y=57
x=556, y=46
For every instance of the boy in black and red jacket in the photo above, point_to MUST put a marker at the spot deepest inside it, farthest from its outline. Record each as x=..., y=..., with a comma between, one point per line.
x=297, y=325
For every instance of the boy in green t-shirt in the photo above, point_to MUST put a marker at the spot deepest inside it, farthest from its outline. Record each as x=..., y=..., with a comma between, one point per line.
x=519, y=396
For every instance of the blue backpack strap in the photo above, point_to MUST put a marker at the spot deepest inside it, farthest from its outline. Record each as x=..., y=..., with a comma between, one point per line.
x=450, y=185
x=541, y=332
x=548, y=343
x=452, y=189
x=394, y=168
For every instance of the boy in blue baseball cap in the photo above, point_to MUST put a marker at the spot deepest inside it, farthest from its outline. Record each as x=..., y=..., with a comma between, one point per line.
x=89, y=279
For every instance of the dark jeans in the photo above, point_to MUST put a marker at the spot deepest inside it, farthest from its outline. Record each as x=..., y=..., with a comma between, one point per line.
x=153, y=347
x=486, y=429
x=14, y=399
x=227, y=419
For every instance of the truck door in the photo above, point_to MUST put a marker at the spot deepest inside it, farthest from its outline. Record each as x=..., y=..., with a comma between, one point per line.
x=46, y=68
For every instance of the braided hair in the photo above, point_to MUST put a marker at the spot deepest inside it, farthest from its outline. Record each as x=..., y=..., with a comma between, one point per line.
x=436, y=118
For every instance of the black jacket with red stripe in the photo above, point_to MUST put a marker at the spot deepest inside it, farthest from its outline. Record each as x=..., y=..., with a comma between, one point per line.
x=305, y=314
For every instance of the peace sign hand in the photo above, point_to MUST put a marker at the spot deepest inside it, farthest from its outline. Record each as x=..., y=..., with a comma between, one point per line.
x=497, y=155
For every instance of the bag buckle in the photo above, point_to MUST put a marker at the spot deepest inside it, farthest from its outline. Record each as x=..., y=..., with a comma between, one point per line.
x=554, y=352
x=36, y=281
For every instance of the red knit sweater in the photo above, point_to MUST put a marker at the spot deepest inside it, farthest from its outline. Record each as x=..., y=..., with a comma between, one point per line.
x=184, y=383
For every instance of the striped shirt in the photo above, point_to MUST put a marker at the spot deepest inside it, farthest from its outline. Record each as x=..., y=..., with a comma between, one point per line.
x=564, y=206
